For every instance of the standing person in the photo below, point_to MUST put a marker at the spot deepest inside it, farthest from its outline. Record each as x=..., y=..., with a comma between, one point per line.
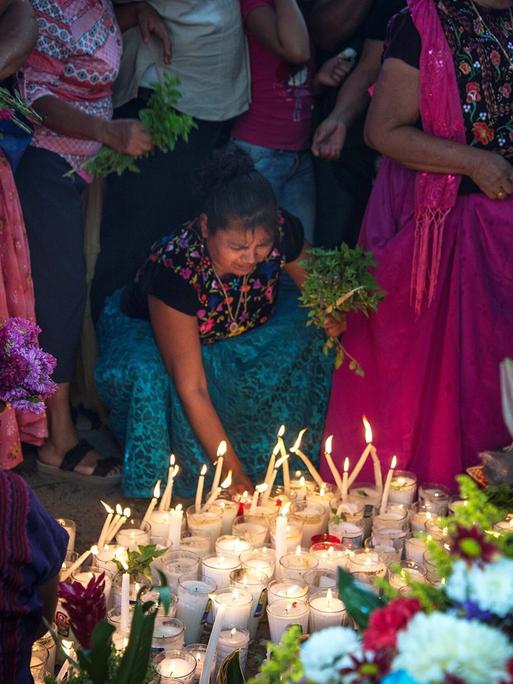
x=208, y=55
x=67, y=79
x=33, y=547
x=440, y=223
x=276, y=129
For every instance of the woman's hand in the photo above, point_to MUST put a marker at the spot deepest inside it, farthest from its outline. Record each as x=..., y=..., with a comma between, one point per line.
x=492, y=174
x=127, y=136
x=329, y=138
x=240, y=481
x=334, y=327
x=150, y=22
x=333, y=72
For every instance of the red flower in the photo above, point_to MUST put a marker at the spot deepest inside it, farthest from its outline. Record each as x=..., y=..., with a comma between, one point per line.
x=473, y=91
x=495, y=58
x=482, y=132
x=386, y=622
x=6, y=114
x=85, y=606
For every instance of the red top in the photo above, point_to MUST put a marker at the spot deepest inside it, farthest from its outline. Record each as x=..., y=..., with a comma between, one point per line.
x=282, y=99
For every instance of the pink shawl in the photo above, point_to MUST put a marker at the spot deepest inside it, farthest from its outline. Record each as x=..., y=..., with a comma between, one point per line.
x=442, y=116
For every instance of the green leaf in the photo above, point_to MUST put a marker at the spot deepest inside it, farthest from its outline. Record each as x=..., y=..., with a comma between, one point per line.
x=230, y=671
x=96, y=663
x=360, y=602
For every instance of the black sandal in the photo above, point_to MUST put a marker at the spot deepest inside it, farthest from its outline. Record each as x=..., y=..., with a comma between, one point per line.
x=66, y=470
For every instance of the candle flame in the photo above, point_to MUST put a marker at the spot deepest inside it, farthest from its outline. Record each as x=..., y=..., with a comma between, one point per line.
x=281, y=431
x=329, y=445
x=178, y=508
x=394, y=462
x=297, y=443
x=95, y=550
x=124, y=564
x=262, y=487
x=222, y=448
x=331, y=551
x=127, y=512
x=368, y=430
x=245, y=580
x=235, y=594
x=203, y=470
x=298, y=550
x=119, y=510
x=281, y=461
x=285, y=509
x=172, y=460
x=346, y=465
x=156, y=490
x=233, y=631
x=329, y=596
x=302, y=481
x=227, y=482
x=107, y=507
x=322, y=490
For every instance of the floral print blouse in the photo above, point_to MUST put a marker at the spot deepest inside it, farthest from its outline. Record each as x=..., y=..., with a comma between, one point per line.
x=179, y=272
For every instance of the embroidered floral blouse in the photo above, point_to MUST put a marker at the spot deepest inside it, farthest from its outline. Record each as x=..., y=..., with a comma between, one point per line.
x=179, y=272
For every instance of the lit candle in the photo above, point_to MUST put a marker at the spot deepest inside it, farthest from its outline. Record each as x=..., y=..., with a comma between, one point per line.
x=284, y=613
x=165, y=502
x=270, y=484
x=81, y=559
x=326, y=610
x=125, y=598
x=152, y=504
x=193, y=606
x=237, y=605
x=259, y=489
x=199, y=490
x=221, y=451
x=295, y=565
x=106, y=524
x=217, y=569
x=308, y=463
x=230, y=545
x=231, y=640
x=228, y=511
x=271, y=466
x=388, y=481
x=255, y=583
x=175, y=527
x=280, y=539
x=334, y=471
x=365, y=454
x=212, y=645
x=402, y=487
x=114, y=522
x=378, y=477
x=114, y=529
x=344, y=479
x=285, y=463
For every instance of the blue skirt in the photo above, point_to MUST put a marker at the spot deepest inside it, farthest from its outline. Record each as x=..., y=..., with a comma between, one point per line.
x=271, y=375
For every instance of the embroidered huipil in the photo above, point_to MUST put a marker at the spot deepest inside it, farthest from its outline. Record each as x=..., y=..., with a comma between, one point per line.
x=76, y=59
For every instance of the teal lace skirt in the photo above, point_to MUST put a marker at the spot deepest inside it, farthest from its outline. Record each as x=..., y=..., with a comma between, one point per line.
x=272, y=375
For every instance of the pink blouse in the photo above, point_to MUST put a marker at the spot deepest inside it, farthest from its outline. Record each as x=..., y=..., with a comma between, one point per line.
x=76, y=59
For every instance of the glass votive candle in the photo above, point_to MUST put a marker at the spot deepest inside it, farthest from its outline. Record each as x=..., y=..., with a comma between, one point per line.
x=351, y=534
x=432, y=572
x=71, y=529
x=252, y=529
x=435, y=498
x=114, y=618
x=260, y=560
x=133, y=534
x=301, y=482
x=368, y=495
x=231, y=545
x=228, y=510
x=179, y=565
x=294, y=565
x=287, y=589
x=320, y=579
x=322, y=495
x=199, y=651
x=419, y=515
x=314, y=519
x=407, y=571
x=264, y=513
x=177, y=665
x=279, y=497
x=196, y=544
x=403, y=487
x=504, y=526
x=85, y=575
x=105, y=557
x=237, y=607
x=37, y=668
x=283, y=613
x=391, y=519
x=205, y=524
x=435, y=531
x=160, y=524
x=326, y=610
x=387, y=553
x=193, y=606
x=414, y=549
x=256, y=584
x=47, y=642
x=365, y=565
x=330, y=556
x=294, y=534
x=168, y=635
x=217, y=569
x=231, y=640
x=390, y=536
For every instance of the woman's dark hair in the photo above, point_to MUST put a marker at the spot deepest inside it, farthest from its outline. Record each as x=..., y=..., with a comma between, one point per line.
x=232, y=189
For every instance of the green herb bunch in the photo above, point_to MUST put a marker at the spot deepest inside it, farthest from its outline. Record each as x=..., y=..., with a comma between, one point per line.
x=163, y=123
x=139, y=562
x=283, y=664
x=338, y=281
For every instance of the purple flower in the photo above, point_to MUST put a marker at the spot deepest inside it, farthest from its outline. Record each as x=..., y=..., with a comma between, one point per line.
x=85, y=606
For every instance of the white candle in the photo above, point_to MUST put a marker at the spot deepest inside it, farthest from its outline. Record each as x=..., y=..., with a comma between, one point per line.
x=259, y=560
x=259, y=489
x=344, y=479
x=113, y=523
x=114, y=528
x=378, y=477
x=221, y=451
x=270, y=474
x=365, y=454
x=286, y=589
x=177, y=664
x=254, y=530
x=326, y=610
x=237, y=604
x=295, y=565
x=80, y=560
x=280, y=539
x=70, y=528
x=165, y=501
x=329, y=460
x=228, y=511
x=330, y=557
x=199, y=490
x=196, y=544
x=231, y=640
x=284, y=613
x=125, y=599
x=132, y=537
x=106, y=524
x=313, y=518
x=193, y=606
x=415, y=549
x=205, y=524
x=179, y=564
x=160, y=521
x=175, y=527
x=308, y=463
x=255, y=583
x=212, y=645
x=152, y=504
x=285, y=462
x=270, y=482
x=231, y=545
x=402, y=488
x=386, y=490
x=218, y=569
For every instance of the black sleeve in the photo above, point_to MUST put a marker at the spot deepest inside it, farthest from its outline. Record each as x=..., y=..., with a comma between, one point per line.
x=375, y=27
x=292, y=236
x=403, y=40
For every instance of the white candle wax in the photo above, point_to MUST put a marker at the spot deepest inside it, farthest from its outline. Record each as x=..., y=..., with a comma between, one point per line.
x=180, y=565
x=326, y=610
x=218, y=569
x=205, y=523
x=294, y=536
x=160, y=522
x=314, y=519
x=131, y=538
x=230, y=545
x=231, y=640
x=199, y=652
x=105, y=557
x=419, y=518
x=212, y=645
x=237, y=607
x=196, y=544
x=70, y=528
x=402, y=488
x=168, y=634
x=193, y=598
x=366, y=565
x=322, y=497
x=286, y=589
x=280, y=541
x=415, y=549
x=175, y=527
x=330, y=558
x=253, y=531
x=125, y=602
x=284, y=613
x=255, y=583
x=228, y=511
x=295, y=565
x=176, y=665
x=120, y=641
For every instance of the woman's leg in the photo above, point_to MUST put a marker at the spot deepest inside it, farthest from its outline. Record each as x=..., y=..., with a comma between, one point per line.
x=298, y=192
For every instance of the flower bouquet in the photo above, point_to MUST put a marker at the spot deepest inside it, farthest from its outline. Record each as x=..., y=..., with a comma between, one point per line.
x=338, y=281
x=25, y=369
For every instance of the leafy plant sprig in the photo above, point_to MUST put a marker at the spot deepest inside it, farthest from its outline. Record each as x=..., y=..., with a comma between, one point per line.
x=15, y=105
x=283, y=664
x=338, y=281
x=163, y=123
x=139, y=562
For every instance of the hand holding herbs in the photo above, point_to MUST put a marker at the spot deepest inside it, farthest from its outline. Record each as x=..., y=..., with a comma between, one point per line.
x=164, y=125
x=338, y=281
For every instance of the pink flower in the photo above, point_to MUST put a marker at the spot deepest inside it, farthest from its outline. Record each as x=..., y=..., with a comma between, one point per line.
x=6, y=114
x=85, y=606
x=207, y=326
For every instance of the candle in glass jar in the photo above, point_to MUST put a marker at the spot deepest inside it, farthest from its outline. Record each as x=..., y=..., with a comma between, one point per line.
x=196, y=544
x=205, y=523
x=228, y=511
x=199, y=651
x=218, y=569
x=256, y=584
x=415, y=549
x=409, y=571
x=323, y=496
x=168, y=634
x=179, y=565
x=314, y=519
x=286, y=589
x=326, y=610
x=159, y=521
x=283, y=613
x=293, y=535
x=236, y=607
x=132, y=537
x=435, y=498
x=259, y=560
x=179, y=665
x=193, y=606
x=231, y=640
x=230, y=545
x=252, y=529
x=365, y=565
x=402, y=487
x=175, y=527
x=295, y=565
x=330, y=556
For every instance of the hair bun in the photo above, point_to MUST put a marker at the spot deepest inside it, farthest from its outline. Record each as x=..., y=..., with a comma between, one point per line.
x=221, y=168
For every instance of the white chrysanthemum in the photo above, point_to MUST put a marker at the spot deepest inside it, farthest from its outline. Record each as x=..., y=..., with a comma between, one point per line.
x=435, y=644
x=327, y=651
x=491, y=586
x=457, y=584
